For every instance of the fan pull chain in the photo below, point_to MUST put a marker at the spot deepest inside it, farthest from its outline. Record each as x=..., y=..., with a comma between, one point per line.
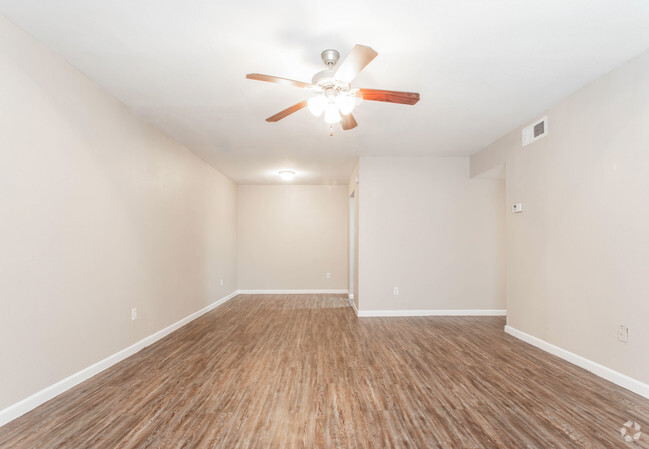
x=331, y=130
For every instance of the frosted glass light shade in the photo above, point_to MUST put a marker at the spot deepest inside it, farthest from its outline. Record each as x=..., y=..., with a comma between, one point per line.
x=345, y=103
x=317, y=104
x=331, y=113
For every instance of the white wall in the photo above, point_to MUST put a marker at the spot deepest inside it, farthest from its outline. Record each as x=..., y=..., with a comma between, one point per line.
x=428, y=229
x=578, y=256
x=100, y=213
x=290, y=236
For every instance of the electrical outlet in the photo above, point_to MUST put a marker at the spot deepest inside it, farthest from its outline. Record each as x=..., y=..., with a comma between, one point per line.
x=221, y=282
x=396, y=291
x=328, y=275
x=623, y=333
x=133, y=314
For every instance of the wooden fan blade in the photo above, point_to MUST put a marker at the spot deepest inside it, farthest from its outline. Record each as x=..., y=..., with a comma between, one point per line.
x=389, y=96
x=286, y=112
x=278, y=80
x=348, y=122
x=355, y=61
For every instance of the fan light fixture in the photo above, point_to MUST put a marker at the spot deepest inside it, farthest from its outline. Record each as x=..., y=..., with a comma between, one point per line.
x=317, y=105
x=331, y=114
x=286, y=175
x=333, y=103
x=345, y=103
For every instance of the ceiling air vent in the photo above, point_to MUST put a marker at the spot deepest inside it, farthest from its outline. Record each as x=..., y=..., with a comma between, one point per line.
x=535, y=131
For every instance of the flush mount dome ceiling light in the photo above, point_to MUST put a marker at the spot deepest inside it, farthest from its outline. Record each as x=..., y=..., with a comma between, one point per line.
x=332, y=91
x=286, y=175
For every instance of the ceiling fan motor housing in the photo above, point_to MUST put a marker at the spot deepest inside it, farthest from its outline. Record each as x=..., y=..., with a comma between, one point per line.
x=330, y=57
x=324, y=78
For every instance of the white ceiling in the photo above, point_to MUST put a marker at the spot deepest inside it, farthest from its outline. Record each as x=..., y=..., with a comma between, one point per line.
x=481, y=67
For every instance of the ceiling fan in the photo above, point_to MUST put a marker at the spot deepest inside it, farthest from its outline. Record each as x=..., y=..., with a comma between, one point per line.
x=332, y=91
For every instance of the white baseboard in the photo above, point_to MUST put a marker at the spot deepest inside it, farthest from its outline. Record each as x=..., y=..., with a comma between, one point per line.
x=463, y=312
x=609, y=374
x=20, y=408
x=290, y=292
x=353, y=304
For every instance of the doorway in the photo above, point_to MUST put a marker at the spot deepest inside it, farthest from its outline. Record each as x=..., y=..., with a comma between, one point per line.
x=352, y=244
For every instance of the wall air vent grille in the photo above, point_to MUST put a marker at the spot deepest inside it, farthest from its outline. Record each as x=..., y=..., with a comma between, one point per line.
x=535, y=131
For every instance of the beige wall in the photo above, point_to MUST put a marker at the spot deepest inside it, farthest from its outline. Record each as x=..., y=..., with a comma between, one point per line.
x=100, y=213
x=290, y=236
x=578, y=256
x=430, y=230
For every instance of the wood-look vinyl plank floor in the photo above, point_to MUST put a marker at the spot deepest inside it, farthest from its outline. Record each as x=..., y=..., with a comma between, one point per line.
x=302, y=371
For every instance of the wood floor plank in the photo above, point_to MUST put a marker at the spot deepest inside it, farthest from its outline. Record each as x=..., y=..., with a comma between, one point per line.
x=302, y=371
